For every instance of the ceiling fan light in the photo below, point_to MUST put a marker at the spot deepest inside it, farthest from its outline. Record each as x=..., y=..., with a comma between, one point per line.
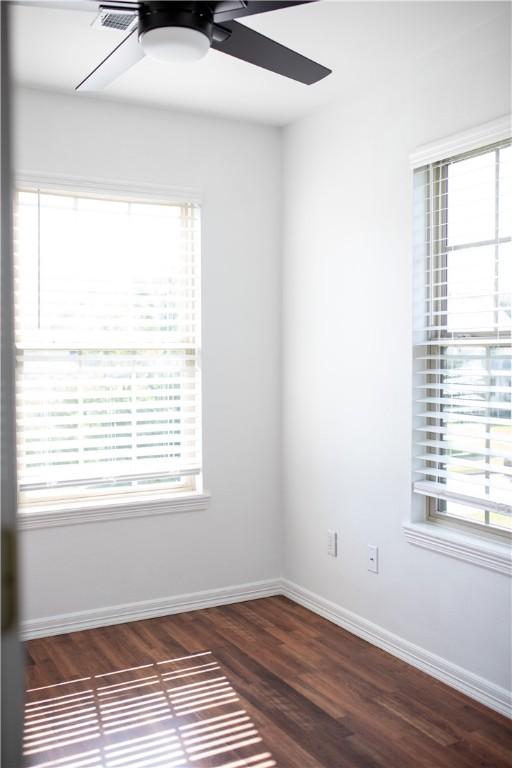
x=175, y=44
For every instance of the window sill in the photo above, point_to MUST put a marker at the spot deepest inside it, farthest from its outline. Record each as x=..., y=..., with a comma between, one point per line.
x=485, y=553
x=94, y=512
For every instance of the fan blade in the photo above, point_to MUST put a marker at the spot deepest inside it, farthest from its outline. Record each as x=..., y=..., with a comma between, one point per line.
x=226, y=11
x=248, y=45
x=124, y=56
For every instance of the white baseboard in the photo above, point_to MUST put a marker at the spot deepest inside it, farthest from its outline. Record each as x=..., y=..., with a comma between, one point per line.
x=147, y=609
x=478, y=688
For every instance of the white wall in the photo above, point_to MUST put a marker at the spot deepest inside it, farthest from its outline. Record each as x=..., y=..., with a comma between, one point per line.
x=236, y=167
x=347, y=351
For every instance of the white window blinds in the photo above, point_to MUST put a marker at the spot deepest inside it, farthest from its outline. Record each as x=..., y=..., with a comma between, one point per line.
x=463, y=369
x=107, y=344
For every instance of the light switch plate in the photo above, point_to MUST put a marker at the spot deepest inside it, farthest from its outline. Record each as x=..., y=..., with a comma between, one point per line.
x=373, y=558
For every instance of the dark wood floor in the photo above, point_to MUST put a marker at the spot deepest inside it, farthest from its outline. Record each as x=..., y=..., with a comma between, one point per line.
x=261, y=684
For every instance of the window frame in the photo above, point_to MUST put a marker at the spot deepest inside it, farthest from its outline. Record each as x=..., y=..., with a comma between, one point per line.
x=438, y=215
x=115, y=505
x=455, y=538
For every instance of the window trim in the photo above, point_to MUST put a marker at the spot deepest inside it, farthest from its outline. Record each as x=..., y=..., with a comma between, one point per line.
x=58, y=513
x=465, y=141
x=46, y=516
x=457, y=542
x=158, y=193
x=488, y=548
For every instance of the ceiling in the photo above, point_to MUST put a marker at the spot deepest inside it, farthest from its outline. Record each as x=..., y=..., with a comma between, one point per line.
x=55, y=47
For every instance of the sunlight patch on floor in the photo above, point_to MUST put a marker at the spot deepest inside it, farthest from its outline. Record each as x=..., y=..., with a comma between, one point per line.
x=176, y=713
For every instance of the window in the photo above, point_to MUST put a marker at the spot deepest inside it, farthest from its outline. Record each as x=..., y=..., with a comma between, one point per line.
x=107, y=347
x=463, y=364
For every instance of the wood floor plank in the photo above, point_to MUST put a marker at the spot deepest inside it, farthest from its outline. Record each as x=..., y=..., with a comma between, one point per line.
x=283, y=748
x=319, y=696
x=483, y=747
x=423, y=719
x=261, y=684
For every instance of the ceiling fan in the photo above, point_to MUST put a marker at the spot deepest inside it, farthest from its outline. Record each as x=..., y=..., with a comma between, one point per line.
x=185, y=31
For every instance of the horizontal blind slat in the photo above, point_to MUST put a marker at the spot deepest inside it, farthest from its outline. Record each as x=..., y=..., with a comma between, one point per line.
x=465, y=404
x=465, y=418
x=449, y=430
x=459, y=477
x=464, y=445
x=440, y=458
x=464, y=341
x=440, y=491
x=453, y=386
x=466, y=372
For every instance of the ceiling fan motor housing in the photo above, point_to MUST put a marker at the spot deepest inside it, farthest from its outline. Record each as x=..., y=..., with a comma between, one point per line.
x=196, y=16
